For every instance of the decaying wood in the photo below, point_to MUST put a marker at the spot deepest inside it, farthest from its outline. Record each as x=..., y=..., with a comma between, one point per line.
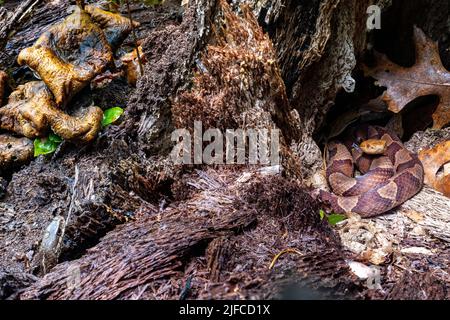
x=148, y=115
x=419, y=287
x=217, y=254
x=11, y=282
x=146, y=259
x=432, y=204
x=8, y=19
x=107, y=179
x=423, y=140
x=435, y=208
x=326, y=43
x=151, y=248
x=231, y=86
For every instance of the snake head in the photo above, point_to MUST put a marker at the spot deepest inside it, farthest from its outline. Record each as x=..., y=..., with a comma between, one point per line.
x=373, y=146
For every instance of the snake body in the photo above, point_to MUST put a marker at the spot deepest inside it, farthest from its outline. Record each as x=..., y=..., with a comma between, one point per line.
x=387, y=180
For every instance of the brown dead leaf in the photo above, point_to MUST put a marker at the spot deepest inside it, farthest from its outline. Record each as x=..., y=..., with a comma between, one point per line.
x=426, y=77
x=433, y=159
x=376, y=256
x=131, y=65
x=443, y=185
x=446, y=169
x=414, y=215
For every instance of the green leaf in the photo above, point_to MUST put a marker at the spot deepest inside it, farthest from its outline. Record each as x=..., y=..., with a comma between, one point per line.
x=46, y=145
x=322, y=214
x=111, y=115
x=334, y=219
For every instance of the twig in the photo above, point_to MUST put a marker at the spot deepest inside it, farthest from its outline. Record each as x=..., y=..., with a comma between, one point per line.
x=28, y=10
x=289, y=250
x=187, y=288
x=19, y=13
x=72, y=200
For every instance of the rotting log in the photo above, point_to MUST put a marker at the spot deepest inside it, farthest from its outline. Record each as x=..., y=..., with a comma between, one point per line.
x=11, y=282
x=435, y=208
x=90, y=187
x=139, y=253
x=149, y=258
x=10, y=19
x=431, y=204
x=317, y=43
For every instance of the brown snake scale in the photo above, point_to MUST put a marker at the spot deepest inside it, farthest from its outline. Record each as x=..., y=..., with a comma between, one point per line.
x=386, y=182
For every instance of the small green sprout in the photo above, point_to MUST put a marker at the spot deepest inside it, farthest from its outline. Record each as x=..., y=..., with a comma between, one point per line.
x=322, y=214
x=111, y=115
x=46, y=145
x=332, y=218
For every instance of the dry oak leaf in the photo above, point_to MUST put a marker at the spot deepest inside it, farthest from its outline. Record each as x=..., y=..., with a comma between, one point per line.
x=426, y=77
x=433, y=159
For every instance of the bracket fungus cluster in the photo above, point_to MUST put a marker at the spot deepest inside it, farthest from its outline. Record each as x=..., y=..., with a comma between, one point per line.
x=69, y=55
x=66, y=58
x=115, y=27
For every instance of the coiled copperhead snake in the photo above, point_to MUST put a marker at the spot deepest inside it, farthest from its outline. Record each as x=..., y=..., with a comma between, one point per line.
x=386, y=180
